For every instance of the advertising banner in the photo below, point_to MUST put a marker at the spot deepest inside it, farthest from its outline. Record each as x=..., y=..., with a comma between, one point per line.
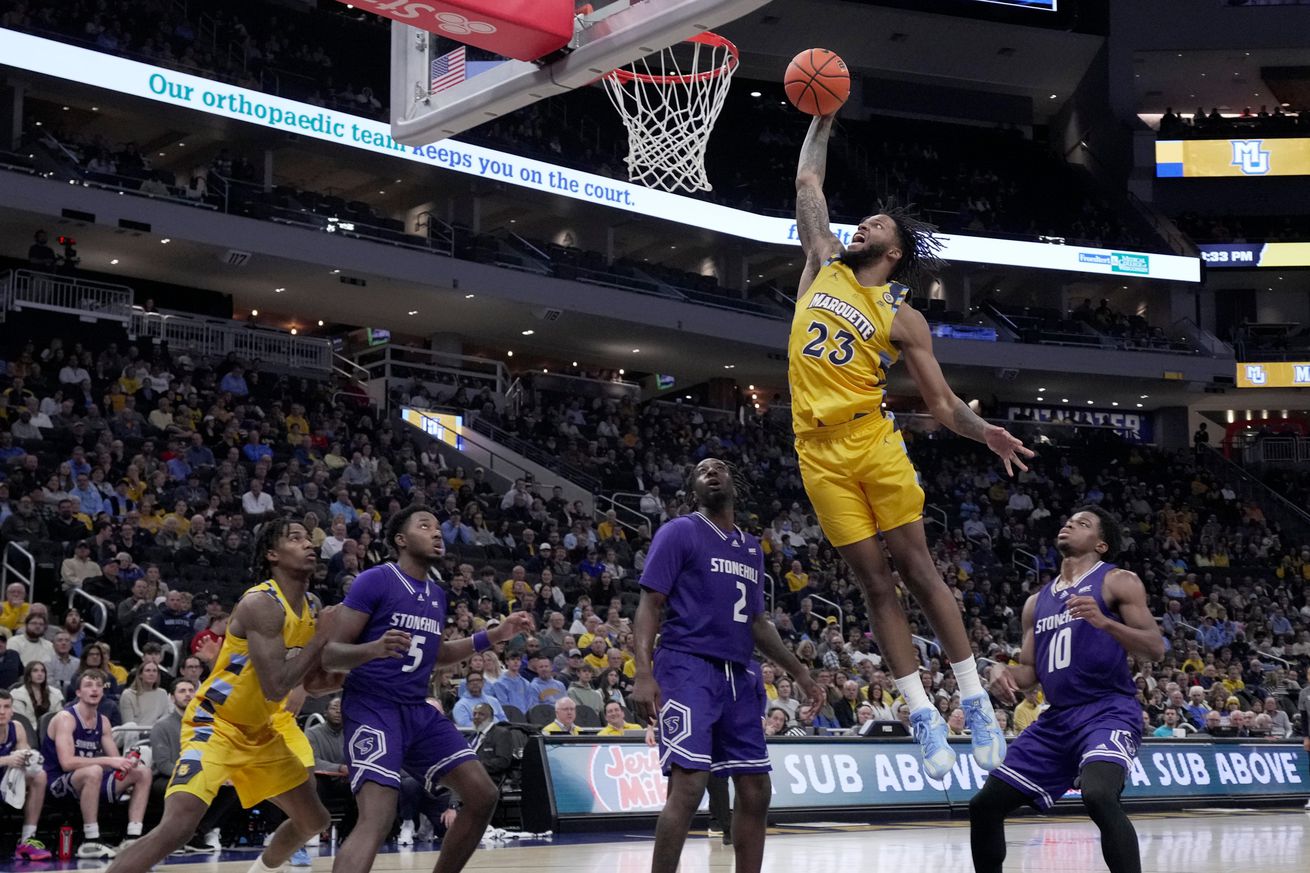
x=617, y=778
x=1135, y=426
x=1217, y=158
x=1275, y=254
x=1274, y=374
x=175, y=88
x=442, y=426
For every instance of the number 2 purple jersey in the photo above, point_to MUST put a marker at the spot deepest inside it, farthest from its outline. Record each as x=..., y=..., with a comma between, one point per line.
x=393, y=599
x=1077, y=663
x=714, y=582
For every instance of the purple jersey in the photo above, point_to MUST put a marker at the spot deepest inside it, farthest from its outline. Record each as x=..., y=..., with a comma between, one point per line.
x=87, y=743
x=713, y=582
x=10, y=742
x=1076, y=663
x=392, y=599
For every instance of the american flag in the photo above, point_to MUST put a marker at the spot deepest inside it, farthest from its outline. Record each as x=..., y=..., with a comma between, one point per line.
x=448, y=70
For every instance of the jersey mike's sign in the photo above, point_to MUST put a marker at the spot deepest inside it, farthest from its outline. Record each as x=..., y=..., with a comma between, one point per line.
x=622, y=777
x=51, y=58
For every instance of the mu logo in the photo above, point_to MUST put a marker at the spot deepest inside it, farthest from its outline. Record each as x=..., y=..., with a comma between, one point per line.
x=1249, y=157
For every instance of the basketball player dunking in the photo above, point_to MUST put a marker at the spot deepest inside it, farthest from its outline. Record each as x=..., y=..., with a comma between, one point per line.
x=1077, y=635
x=852, y=321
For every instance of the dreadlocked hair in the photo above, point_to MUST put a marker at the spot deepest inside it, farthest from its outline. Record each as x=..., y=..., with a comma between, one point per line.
x=920, y=248
x=741, y=485
x=269, y=535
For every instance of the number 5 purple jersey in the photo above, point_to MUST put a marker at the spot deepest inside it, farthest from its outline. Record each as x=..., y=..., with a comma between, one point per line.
x=393, y=599
x=714, y=582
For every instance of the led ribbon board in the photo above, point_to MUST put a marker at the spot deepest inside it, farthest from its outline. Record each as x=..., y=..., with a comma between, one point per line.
x=52, y=58
x=1274, y=374
x=1232, y=158
x=1278, y=254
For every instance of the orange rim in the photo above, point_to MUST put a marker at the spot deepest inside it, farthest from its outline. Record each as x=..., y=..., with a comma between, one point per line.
x=708, y=38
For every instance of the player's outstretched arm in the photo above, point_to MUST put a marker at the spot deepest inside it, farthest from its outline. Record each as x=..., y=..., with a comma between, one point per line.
x=812, y=225
x=261, y=619
x=461, y=650
x=768, y=642
x=645, y=690
x=910, y=332
x=342, y=654
x=1125, y=594
x=1007, y=680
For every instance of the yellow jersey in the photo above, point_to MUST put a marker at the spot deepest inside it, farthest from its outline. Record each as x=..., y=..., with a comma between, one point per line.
x=840, y=347
x=232, y=692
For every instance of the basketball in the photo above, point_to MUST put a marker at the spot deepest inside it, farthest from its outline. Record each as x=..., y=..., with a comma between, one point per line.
x=817, y=82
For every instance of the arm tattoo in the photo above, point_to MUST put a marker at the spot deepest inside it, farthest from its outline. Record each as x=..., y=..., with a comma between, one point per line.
x=811, y=217
x=966, y=422
x=812, y=223
x=814, y=152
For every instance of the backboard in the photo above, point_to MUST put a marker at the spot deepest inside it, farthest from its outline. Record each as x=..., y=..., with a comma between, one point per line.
x=615, y=34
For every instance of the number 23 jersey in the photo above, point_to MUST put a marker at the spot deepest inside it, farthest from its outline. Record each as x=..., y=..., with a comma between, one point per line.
x=393, y=599
x=713, y=580
x=1077, y=663
x=840, y=347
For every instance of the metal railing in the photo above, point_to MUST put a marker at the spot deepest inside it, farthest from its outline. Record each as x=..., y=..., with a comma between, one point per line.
x=1204, y=341
x=928, y=645
x=172, y=647
x=484, y=452
x=1017, y=556
x=841, y=615
x=634, y=520
x=21, y=564
x=96, y=615
x=217, y=338
x=390, y=360
x=934, y=514
x=1294, y=519
x=536, y=454
x=771, y=596
x=29, y=289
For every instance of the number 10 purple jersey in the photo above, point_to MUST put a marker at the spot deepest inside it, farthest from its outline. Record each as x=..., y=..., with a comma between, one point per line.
x=393, y=599
x=1077, y=663
x=714, y=582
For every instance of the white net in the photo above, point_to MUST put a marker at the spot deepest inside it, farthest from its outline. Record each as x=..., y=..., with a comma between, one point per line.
x=669, y=103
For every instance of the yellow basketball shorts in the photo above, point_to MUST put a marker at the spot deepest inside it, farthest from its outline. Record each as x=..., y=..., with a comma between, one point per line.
x=859, y=478
x=260, y=765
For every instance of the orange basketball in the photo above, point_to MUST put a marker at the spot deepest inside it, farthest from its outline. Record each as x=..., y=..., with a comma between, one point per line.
x=817, y=82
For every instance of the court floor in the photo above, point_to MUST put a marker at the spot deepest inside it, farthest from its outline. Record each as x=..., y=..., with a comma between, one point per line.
x=1196, y=841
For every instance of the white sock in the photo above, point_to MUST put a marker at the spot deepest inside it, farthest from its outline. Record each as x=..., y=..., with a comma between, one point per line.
x=134, y=829
x=966, y=676
x=29, y=831
x=260, y=867
x=91, y=830
x=911, y=688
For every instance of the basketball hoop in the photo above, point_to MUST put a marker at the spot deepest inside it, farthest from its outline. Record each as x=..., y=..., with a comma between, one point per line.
x=669, y=102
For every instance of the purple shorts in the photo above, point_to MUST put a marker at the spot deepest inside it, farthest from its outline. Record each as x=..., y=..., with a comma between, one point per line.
x=384, y=736
x=61, y=787
x=710, y=714
x=1045, y=760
